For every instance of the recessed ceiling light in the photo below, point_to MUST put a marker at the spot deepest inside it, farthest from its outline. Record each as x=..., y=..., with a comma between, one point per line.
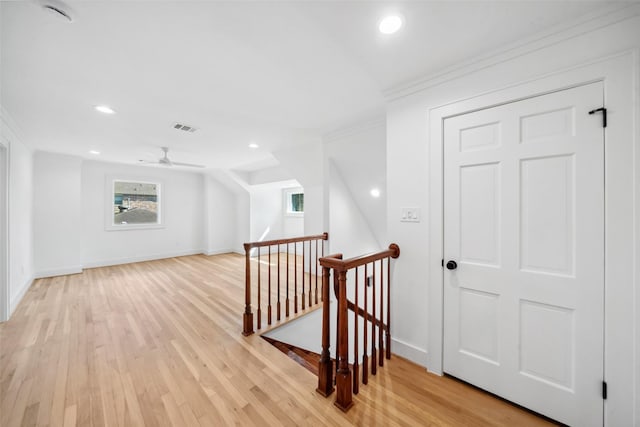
x=390, y=24
x=104, y=109
x=375, y=192
x=253, y=145
x=96, y=152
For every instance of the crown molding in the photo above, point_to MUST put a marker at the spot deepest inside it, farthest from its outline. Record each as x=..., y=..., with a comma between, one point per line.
x=587, y=23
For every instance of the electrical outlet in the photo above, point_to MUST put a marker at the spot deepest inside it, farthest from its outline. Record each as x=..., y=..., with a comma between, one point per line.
x=410, y=215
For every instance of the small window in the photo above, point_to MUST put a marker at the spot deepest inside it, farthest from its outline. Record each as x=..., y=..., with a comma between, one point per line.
x=134, y=204
x=295, y=202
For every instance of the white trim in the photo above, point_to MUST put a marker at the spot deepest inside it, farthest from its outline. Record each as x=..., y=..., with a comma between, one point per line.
x=11, y=133
x=129, y=260
x=591, y=22
x=409, y=351
x=110, y=180
x=63, y=271
x=5, y=308
x=619, y=74
x=219, y=252
x=286, y=198
x=15, y=299
x=635, y=255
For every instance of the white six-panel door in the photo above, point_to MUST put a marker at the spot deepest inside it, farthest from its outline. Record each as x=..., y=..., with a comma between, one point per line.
x=524, y=221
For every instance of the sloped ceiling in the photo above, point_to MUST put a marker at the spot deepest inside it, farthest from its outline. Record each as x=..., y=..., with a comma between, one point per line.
x=273, y=73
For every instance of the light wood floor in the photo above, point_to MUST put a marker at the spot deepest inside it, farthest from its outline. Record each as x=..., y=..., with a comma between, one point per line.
x=159, y=343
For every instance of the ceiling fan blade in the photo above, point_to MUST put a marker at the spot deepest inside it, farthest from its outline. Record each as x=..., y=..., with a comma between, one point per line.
x=165, y=161
x=187, y=164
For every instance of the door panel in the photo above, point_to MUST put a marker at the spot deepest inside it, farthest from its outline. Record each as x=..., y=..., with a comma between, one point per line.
x=524, y=220
x=547, y=218
x=479, y=214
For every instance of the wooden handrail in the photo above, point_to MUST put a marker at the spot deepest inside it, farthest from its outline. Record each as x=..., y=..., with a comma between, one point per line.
x=346, y=380
x=251, y=245
x=343, y=265
x=306, y=295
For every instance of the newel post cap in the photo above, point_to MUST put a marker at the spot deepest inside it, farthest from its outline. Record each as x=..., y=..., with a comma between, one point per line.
x=396, y=250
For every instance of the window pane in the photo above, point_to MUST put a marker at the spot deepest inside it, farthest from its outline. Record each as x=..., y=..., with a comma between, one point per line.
x=135, y=203
x=297, y=202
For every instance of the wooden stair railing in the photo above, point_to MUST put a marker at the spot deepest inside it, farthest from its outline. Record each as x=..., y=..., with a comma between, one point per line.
x=373, y=272
x=307, y=294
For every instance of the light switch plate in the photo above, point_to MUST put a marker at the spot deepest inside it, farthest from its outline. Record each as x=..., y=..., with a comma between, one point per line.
x=410, y=215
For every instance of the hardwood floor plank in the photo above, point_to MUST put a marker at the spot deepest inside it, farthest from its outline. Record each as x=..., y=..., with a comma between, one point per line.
x=31, y=415
x=188, y=416
x=159, y=343
x=133, y=406
x=70, y=416
x=20, y=404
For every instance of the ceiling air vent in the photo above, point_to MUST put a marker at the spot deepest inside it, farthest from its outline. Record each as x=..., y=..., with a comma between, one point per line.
x=186, y=128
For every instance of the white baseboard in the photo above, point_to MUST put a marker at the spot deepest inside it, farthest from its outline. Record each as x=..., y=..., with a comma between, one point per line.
x=218, y=251
x=409, y=351
x=129, y=260
x=59, y=272
x=15, y=299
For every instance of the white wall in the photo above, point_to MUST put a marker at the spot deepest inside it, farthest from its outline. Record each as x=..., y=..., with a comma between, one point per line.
x=349, y=232
x=69, y=219
x=409, y=185
x=21, y=270
x=267, y=175
x=266, y=212
x=183, y=199
x=57, y=214
x=314, y=216
x=359, y=156
x=292, y=226
x=306, y=164
x=221, y=217
x=243, y=223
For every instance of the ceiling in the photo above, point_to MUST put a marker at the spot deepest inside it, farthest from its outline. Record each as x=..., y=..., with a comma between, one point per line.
x=277, y=74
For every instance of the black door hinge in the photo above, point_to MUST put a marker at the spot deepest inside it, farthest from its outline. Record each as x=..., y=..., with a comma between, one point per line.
x=604, y=115
x=442, y=263
x=604, y=389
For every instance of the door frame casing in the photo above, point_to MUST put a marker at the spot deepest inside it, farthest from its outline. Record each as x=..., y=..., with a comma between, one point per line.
x=617, y=74
x=4, y=228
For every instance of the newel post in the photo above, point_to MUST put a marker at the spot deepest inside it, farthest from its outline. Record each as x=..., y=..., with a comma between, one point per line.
x=325, y=367
x=247, y=318
x=344, y=398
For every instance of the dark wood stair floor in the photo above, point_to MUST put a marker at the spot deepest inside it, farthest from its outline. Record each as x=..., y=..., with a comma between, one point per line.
x=310, y=360
x=305, y=358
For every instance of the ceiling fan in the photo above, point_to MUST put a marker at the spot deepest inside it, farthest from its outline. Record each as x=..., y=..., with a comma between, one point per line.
x=165, y=161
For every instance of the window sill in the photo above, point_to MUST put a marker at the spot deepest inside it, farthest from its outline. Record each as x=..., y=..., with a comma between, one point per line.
x=124, y=227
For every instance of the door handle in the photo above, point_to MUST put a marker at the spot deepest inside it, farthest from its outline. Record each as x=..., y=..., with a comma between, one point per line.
x=452, y=265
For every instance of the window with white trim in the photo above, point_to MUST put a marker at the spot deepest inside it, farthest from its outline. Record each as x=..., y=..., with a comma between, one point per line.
x=294, y=199
x=134, y=204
